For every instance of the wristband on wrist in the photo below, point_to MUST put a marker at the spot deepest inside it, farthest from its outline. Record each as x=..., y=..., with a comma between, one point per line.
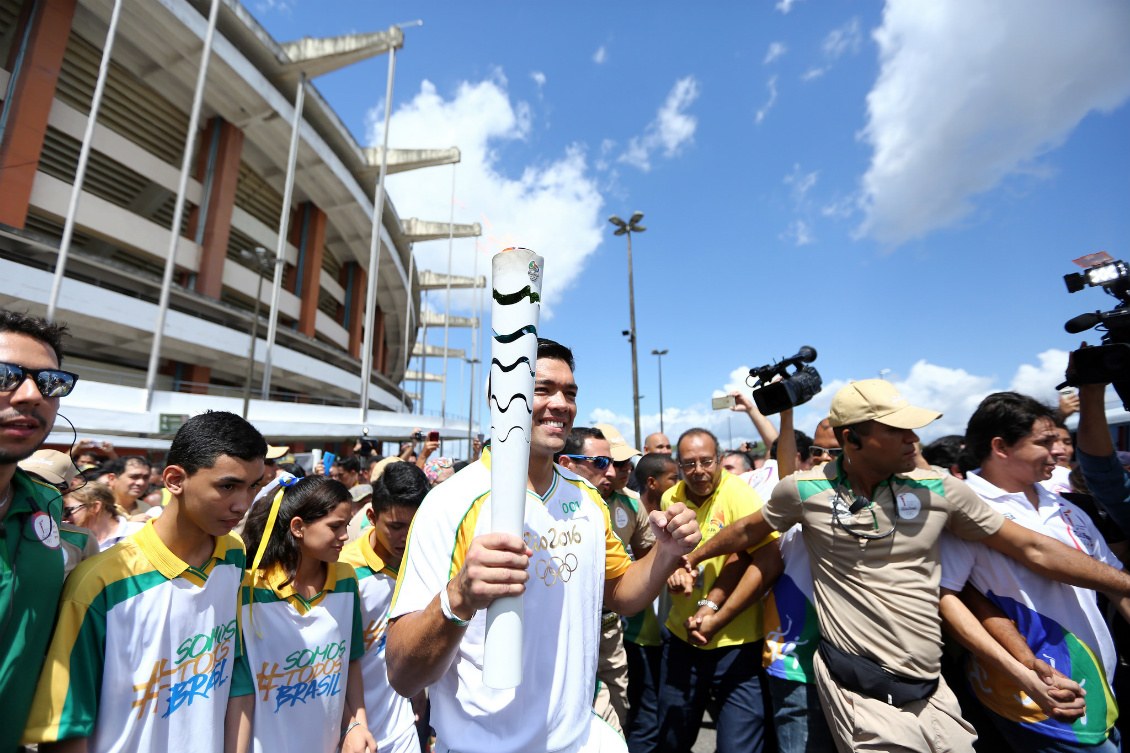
x=708, y=603
x=445, y=607
x=350, y=728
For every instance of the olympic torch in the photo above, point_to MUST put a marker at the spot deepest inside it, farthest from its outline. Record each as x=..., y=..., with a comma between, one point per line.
x=516, y=276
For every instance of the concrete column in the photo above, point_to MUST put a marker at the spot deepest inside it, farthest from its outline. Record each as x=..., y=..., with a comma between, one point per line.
x=353, y=278
x=218, y=171
x=34, y=92
x=311, y=248
x=380, y=358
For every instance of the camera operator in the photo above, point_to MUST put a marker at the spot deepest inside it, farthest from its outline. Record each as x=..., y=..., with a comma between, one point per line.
x=1107, y=480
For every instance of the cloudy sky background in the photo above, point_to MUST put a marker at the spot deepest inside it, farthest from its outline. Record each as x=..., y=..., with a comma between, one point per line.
x=901, y=186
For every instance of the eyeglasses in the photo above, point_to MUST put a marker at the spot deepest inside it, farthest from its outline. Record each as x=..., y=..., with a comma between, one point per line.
x=621, y=464
x=815, y=451
x=69, y=512
x=600, y=462
x=51, y=382
x=690, y=465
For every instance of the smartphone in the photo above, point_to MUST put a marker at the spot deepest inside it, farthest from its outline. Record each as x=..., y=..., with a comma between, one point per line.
x=328, y=459
x=480, y=436
x=315, y=458
x=723, y=403
x=433, y=436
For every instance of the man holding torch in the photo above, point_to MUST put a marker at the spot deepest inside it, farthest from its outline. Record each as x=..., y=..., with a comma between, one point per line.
x=566, y=564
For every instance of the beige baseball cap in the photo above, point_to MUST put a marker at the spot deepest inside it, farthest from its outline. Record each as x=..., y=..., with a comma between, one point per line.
x=274, y=453
x=877, y=400
x=361, y=491
x=618, y=446
x=52, y=466
x=378, y=468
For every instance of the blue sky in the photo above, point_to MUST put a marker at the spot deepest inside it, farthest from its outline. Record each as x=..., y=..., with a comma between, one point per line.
x=900, y=185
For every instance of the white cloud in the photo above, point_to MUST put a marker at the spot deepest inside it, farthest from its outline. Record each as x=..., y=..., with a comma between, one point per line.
x=771, y=85
x=800, y=182
x=552, y=207
x=672, y=128
x=600, y=55
x=798, y=233
x=1040, y=381
x=784, y=6
x=837, y=43
x=844, y=39
x=539, y=78
x=959, y=104
x=273, y=6
x=775, y=51
x=841, y=208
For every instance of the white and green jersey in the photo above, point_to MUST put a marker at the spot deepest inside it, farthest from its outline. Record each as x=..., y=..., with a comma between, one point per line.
x=574, y=553
x=144, y=649
x=296, y=658
x=389, y=713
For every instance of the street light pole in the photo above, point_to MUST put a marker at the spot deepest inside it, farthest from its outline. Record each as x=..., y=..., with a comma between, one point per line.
x=627, y=228
x=262, y=263
x=659, y=359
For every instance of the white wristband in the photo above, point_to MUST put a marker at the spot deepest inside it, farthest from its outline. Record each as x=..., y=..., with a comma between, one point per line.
x=708, y=603
x=445, y=607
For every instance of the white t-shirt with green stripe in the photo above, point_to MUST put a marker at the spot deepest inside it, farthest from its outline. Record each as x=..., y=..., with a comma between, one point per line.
x=296, y=658
x=144, y=650
x=390, y=714
x=574, y=553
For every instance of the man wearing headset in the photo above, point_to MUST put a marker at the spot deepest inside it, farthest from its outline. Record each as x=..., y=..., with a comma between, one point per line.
x=870, y=522
x=31, y=555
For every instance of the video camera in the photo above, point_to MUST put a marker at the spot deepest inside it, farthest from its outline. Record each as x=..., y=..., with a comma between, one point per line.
x=792, y=389
x=1108, y=363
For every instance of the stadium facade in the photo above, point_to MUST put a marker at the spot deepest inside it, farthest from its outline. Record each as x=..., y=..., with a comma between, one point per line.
x=111, y=290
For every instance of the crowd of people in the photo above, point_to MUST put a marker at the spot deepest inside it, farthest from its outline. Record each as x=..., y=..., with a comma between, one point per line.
x=852, y=590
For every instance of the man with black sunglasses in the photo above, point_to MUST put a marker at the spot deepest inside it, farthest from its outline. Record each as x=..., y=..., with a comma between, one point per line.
x=31, y=555
x=588, y=453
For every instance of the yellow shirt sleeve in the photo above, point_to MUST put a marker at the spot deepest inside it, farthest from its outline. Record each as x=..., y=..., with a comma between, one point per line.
x=616, y=559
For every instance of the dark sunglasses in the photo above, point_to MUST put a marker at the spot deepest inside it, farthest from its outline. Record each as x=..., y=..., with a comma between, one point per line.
x=818, y=452
x=51, y=382
x=68, y=512
x=600, y=462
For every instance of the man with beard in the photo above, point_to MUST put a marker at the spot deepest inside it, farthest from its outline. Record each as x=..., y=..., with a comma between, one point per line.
x=31, y=557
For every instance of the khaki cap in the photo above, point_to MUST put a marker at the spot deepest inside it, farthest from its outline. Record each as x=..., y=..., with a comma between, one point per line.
x=877, y=400
x=618, y=447
x=274, y=453
x=378, y=468
x=361, y=491
x=52, y=466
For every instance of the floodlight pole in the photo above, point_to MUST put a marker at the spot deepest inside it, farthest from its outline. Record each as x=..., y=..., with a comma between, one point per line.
x=659, y=359
x=627, y=228
x=83, y=159
x=178, y=209
x=375, y=249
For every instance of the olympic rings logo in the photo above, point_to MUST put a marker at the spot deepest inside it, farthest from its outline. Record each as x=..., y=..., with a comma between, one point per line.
x=556, y=569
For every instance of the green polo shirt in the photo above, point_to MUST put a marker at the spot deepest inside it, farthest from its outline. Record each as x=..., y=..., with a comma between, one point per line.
x=31, y=579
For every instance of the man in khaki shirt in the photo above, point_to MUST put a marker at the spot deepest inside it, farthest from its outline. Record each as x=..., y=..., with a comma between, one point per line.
x=870, y=523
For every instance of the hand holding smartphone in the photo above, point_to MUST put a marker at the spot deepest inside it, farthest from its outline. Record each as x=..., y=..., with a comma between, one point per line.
x=723, y=403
